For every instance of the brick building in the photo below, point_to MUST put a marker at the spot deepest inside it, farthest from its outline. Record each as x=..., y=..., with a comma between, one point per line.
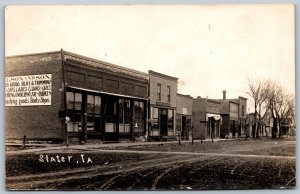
x=61, y=95
x=206, y=118
x=184, y=112
x=233, y=113
x=162, y=100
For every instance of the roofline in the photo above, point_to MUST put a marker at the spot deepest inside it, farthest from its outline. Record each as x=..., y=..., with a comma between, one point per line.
x=104, y=62
x=162, y=75
x=243, y=97
x=82, y=57
x=33, y=54
x=183, y=95
x=231, y=101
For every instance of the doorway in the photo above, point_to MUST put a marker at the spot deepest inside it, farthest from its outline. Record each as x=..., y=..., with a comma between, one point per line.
x=163, y=122
x=184, y=134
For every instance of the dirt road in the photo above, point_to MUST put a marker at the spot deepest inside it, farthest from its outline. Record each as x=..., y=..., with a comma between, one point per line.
x=153, y=170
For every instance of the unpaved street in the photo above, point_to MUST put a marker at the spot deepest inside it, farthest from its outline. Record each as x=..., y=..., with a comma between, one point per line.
x=219, y=165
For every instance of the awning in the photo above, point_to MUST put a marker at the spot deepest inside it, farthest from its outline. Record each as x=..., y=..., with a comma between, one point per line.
x=215, y=116
x=108, y=93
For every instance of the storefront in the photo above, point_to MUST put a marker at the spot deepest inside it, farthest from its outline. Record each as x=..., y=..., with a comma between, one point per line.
x=213, y=125
x=87, y=99
x=162, y=102
x=96, y=115
x=162, y=121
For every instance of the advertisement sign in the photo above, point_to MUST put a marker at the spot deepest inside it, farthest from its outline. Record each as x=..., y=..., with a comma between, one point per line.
x=29, y=90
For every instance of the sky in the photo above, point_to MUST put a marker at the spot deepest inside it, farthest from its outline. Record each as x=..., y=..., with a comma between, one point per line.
x=210, y=48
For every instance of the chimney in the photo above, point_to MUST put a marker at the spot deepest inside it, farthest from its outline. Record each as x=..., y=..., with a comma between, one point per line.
x=224, y=94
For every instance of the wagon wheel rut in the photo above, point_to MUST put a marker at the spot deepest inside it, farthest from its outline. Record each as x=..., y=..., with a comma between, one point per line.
x=45, y=179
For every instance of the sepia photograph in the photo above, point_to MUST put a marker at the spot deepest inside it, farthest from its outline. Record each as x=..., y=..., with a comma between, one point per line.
x=150, y=97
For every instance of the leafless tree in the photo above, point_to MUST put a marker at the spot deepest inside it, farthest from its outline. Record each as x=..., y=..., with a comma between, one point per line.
x=259, y=90
x=270, y=98
x=282, y=107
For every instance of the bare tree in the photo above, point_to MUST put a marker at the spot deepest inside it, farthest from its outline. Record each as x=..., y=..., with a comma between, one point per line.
x=258, y=90
x=282, y=107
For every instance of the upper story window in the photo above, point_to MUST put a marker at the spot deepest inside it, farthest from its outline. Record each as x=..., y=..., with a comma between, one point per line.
x=169, y=93
x=159, y=92
x=243, y=110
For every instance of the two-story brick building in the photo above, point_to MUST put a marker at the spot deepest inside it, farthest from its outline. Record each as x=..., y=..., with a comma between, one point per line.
x=233, y=113
x=162, y=100
x=64, y=96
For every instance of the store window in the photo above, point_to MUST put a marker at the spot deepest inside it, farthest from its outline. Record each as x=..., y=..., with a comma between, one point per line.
x=178, y=122
x=170, y=119
x=93, y=109
x=74, y=101
x=70, y=100
x=155, y=118
x=110, y=115
x=124, y=116
x=74, y=107
x=75, y=123
x=138, y=127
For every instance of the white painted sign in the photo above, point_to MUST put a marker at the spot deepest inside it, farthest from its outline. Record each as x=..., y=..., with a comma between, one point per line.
x=29, y=90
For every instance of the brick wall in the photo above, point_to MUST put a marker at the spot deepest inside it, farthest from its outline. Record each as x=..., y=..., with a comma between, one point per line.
x=184, y=102
x=91, y=78
x=38, y=122
x=164, y=81
x=199, y=114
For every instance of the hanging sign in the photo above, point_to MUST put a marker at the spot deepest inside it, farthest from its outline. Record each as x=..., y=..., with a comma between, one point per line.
x=29, y=90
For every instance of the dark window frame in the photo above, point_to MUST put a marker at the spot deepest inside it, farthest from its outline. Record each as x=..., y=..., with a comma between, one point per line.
x=169, y=93
x=159, y=92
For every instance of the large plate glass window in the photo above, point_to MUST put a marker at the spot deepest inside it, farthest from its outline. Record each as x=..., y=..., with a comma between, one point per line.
x=138, y=117
x=74, y=107
x=170, y=120
x=124, y=116
x=93, y=109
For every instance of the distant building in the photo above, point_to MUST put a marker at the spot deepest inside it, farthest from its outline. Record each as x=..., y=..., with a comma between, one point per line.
x=184, y=111
x=162, y=100
x=206, y=118
x=233, y=113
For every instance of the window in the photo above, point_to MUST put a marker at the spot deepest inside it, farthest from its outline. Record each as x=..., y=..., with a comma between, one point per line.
x=74, y=101
x=124, y=116
x=159, y=92
x=70, y=100
x=93, y=109
x=138, y=127
x=74, y=125
x=243, y=110
x=170, y=119
x=169, y=94
x=90, y=106
x=110, y=115
x=155, y=117
x=178, y=122
x=74, y=107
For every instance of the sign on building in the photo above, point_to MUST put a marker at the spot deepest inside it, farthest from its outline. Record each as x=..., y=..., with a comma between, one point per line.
x=29, y=90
